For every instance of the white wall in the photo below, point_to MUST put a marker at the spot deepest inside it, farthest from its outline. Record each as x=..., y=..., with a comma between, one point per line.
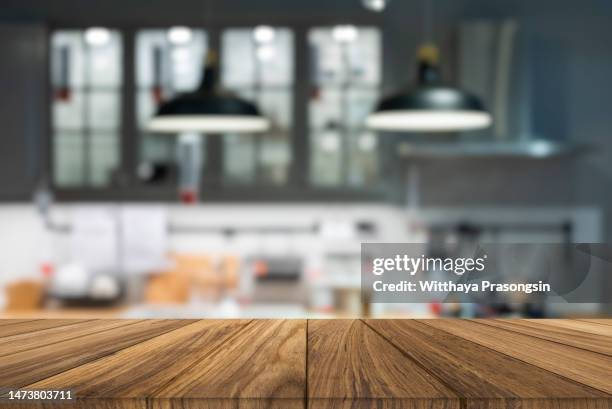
x=25, y=244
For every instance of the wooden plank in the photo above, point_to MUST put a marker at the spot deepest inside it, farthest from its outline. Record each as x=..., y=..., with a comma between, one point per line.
x=579, y=339
x=473, y=371
x=4, y=322
x=23, y=342
x=266, y=359
x=582, y=366
x=232, y=403
x=450, y=404
x=140, y=370
x=161, y=404
x=27, y=367
x=290, y=404
x=215, y=361
x=31, y=326
x=366, y=403
x=78, y=404
x=313, y=404
x=350, y=364
x=570, y=403
x=601, y=321
x=588, y=327
x=222, y=364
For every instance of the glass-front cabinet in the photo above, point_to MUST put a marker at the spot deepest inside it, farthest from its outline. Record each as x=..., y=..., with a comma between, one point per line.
x=92, y=77
x=257, y=64
x=345, y=86
x=86, y=86
x=167, y=62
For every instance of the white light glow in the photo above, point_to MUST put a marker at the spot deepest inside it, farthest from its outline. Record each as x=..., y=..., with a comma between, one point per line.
x=179, y=35
x=97, y=36
x=367, y=142
x=428, y=120
x=264, y=34
x=266, y=52
x=181, y=55
x=209, y=124
x=540, y=149
x=330, y=142
x=375, y=5
x=345, y=34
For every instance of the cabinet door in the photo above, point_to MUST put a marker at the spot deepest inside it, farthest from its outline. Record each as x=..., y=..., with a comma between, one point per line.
x=23, y=118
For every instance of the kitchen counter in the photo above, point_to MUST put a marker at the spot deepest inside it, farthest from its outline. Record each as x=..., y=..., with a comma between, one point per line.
x=320, y=364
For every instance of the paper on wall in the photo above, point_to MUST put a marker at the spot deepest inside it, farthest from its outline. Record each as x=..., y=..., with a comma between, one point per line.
x=144, y=238
x=93, y=239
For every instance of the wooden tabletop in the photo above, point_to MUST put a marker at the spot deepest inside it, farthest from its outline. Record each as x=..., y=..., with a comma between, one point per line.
x=319, y=364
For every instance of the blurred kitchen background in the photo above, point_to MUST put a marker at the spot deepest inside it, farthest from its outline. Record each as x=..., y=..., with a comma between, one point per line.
x=93, y=218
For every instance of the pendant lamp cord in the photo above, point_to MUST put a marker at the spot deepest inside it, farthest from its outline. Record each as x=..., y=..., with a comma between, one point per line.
x=210, y=74
x=428, y=52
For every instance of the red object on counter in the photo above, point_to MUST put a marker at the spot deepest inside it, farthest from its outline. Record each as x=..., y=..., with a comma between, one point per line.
x=47, y=269
x=260, y=268
x=325, y=308
x=188, y=196
x=436, y=308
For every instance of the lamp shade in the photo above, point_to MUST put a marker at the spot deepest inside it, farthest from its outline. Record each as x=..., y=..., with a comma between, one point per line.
x=208, y=109
x=430, y=108
x=208, y=113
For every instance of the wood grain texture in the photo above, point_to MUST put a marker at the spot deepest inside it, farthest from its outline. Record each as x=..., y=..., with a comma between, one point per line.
x=579, y=339
x=53, y=335
x=348, y=360
x=162, y=404
x=472, y=371
x=266, y=359
x=549, y=403
x=232, y=403
x=584, y=326
x=371, y=403
x=598, y=321
x=315, y=364
x=312, y=404
x=15, y=327
x=581, y=366
x=27, y=367
x=140, y=370
x=207, y=359
x=13, y=321
x=261, y=362
x=79, y=404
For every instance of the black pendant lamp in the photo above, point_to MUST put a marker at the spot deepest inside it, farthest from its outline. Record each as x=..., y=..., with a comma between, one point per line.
x=208, y=109
x=431, y=106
